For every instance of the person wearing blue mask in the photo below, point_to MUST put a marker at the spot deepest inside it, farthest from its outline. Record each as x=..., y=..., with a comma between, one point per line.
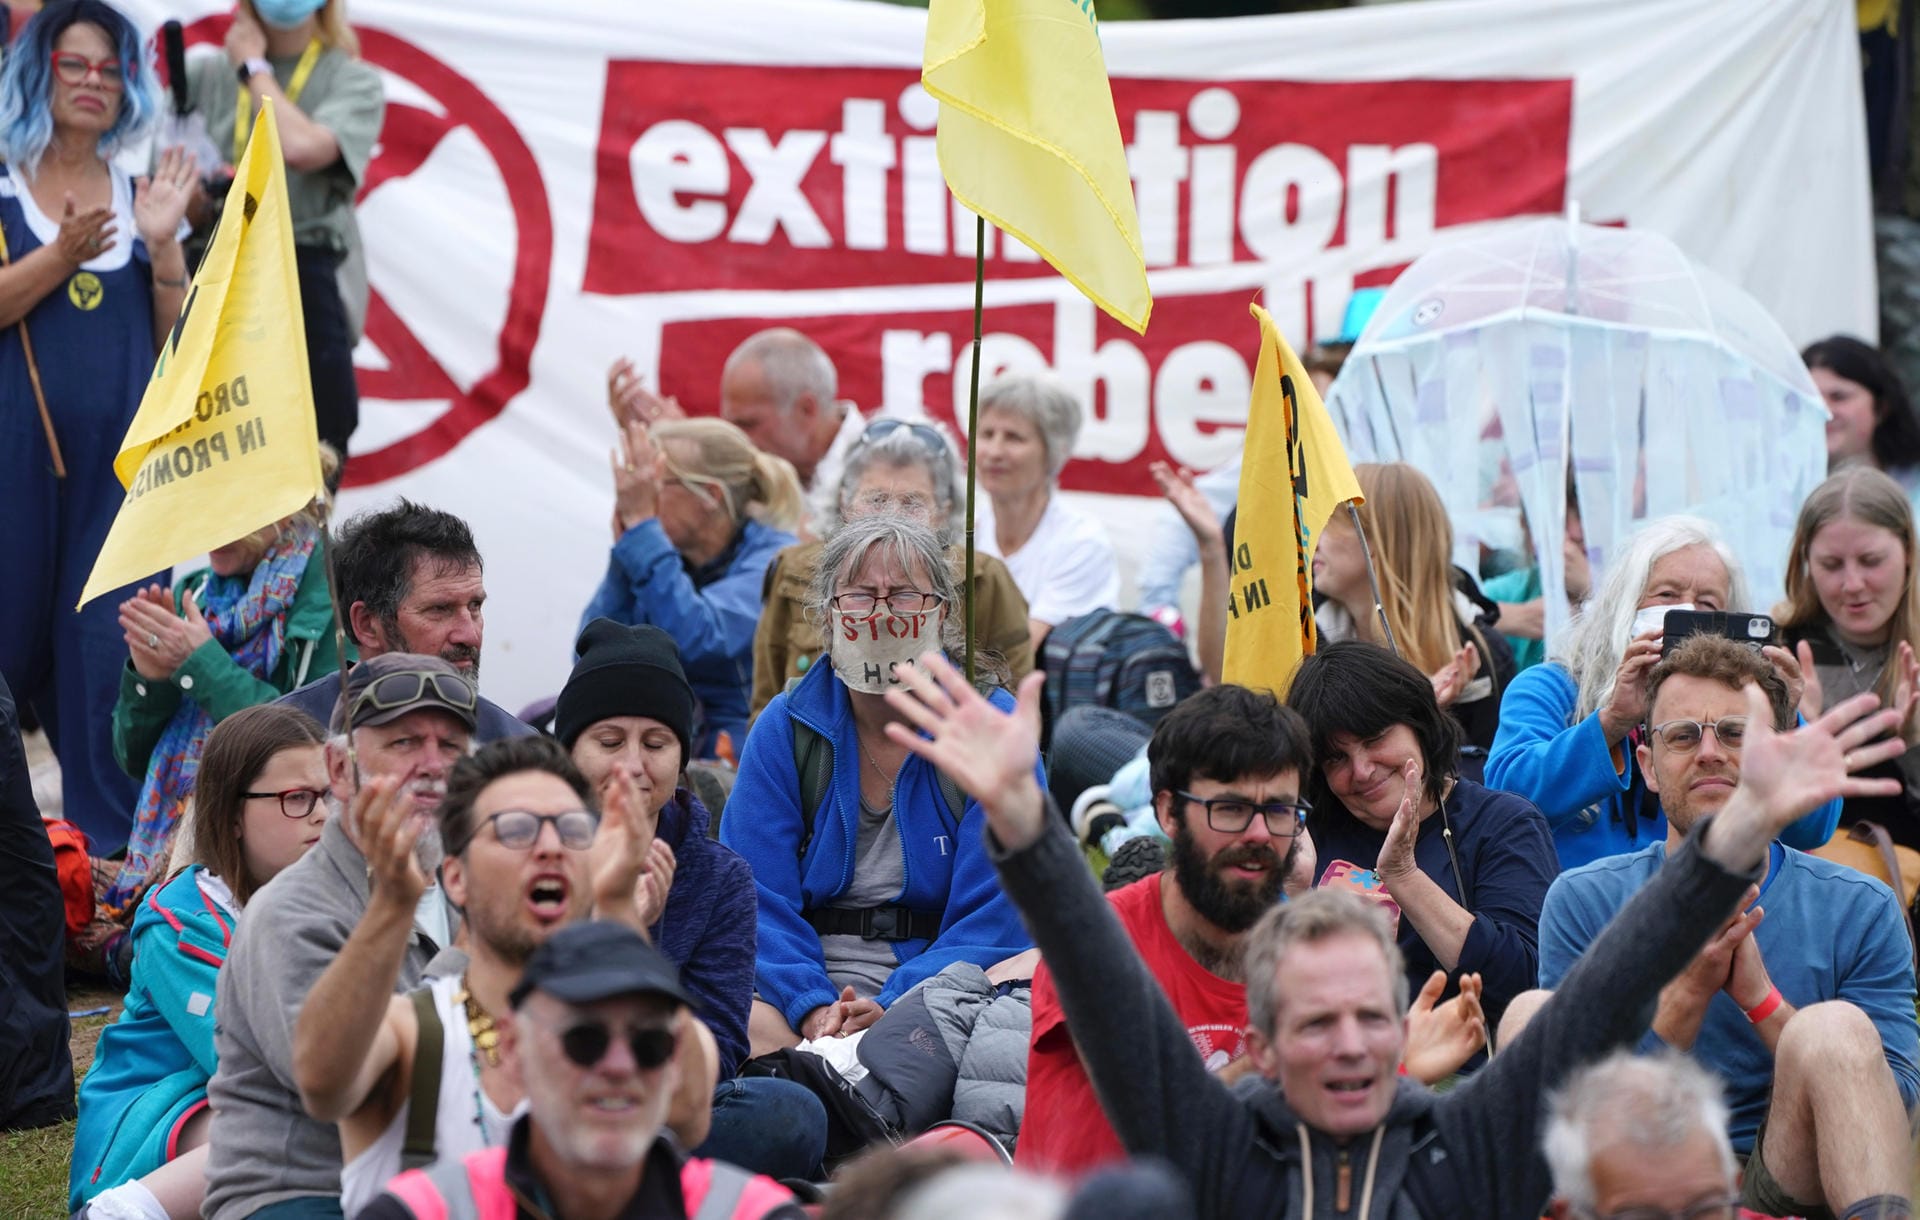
x=301, y=56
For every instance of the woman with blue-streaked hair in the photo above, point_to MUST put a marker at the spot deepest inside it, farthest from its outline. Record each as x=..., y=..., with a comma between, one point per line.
x=91, y=275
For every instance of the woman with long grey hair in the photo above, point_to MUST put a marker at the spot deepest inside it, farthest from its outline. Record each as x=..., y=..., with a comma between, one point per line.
x=1569, y=728
x=870, y=865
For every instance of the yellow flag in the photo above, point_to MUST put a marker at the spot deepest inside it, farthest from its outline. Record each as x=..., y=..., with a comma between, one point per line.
x=1294, y=476
x=1028, y=139
x=224, y=442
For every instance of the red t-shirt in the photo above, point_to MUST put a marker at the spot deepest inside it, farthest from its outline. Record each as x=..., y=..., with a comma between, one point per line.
x=1063, y=1130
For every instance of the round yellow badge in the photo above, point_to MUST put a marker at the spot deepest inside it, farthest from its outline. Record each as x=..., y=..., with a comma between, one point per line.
x=85, y=290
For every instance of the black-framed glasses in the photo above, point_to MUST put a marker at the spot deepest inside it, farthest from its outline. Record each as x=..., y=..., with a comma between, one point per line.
x=900, y=601
x=518, y=829
x=294, y=802
x=586, y=1043
x=886, y=426
x=1232, y=814
x=406, y=686
x=1684, y=736
x=1707, y=1209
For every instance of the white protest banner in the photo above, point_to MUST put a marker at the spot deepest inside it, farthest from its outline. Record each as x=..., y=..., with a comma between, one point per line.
x=564, y=183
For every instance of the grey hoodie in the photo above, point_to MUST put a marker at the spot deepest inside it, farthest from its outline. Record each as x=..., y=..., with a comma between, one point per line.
x=1473, y=1152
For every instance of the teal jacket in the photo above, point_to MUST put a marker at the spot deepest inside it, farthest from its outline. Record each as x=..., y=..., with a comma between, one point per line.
x=219, y=683
x=151, y=1068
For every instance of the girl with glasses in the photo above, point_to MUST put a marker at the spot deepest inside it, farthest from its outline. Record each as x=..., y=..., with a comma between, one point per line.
x=259, y=805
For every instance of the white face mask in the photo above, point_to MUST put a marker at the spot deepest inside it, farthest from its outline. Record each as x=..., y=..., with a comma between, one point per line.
x=865, y=650
x=1653, y=618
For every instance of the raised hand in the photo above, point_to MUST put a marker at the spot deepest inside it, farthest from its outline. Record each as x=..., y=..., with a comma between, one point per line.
x=1906, y=693
x=160, y=202
x=621, y=848
x=1784, y=776
x=989, y=753
x=1441, y=1037
x=1189, y=501
x=1455, y=674
x=388, y=831
x=1305, y=867
x=632, y=402
x=1396, y=854
x=83, y=235
x=655, y=882
x=636, y=477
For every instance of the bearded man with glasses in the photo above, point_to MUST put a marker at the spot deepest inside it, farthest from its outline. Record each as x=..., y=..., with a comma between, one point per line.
x=528, y=853
x=1226, y=766
x=598, y=1027
x=1808, y=1014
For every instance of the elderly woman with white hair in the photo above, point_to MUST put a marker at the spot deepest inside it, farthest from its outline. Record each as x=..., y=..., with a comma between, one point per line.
x=908, y=468
x=1062, y=560
x=1568, y=728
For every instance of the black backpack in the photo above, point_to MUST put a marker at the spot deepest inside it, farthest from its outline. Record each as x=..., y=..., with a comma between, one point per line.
x=1112, y=659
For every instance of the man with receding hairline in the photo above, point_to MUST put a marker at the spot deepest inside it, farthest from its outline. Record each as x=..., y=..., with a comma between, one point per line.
x=779, y=388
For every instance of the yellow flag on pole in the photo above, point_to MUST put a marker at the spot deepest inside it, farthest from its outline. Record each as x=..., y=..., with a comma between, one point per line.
x=224, y=442
x=1294, y=476
x=1028, y=139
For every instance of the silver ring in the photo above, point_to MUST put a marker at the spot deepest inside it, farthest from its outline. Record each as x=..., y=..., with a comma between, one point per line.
x=153, y=641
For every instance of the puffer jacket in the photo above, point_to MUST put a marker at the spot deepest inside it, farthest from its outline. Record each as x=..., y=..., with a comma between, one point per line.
x=953, y=1047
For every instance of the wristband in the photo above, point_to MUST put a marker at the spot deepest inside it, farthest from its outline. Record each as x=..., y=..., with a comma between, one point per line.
x=1767, y=1007
x=252, y=68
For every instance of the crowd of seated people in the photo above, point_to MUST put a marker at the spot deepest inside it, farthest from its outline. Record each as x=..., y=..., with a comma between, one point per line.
x=1436, y=936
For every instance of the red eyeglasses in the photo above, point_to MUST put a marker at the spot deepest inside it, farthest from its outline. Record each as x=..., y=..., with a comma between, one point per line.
x=73, y=69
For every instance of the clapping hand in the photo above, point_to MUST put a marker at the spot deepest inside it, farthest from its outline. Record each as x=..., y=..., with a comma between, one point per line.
x=989, y=753
x=636, y=478
x=1396, y=854
x=1455, y=674
x=632, y=402
x=158, y=640
x=655, y=882
x=622, y=847
x=1441, y=1037
x=1190, y=502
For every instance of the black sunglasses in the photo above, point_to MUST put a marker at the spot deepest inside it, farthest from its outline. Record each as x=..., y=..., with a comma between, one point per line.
x=586, y=1044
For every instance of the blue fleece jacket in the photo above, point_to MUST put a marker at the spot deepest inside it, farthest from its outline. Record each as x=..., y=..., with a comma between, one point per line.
x=947, y=867
x=1597, y=808
x=1830, y=934
x=710, y=611
x=151, y=1068
x=1507, y=862
x=708, y=924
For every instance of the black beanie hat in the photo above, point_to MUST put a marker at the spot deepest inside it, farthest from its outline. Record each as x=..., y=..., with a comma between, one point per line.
x=625, y=671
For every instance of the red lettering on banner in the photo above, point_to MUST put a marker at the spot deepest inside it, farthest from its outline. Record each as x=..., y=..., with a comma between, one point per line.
x=736, y=176
x=728, y=178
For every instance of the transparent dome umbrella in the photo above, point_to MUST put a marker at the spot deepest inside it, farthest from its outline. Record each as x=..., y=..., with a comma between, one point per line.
x=1529, y=348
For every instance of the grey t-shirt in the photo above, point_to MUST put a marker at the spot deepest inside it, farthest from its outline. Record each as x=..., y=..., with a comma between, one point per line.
x=343, y=94
x=879, y=875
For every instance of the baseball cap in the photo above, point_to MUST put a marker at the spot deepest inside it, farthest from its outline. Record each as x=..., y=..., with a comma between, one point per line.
x=584, y=963
x=384, y=688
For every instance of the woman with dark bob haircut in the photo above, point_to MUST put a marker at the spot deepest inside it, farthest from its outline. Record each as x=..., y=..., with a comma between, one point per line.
x=1872, y=419
x=1465, y=887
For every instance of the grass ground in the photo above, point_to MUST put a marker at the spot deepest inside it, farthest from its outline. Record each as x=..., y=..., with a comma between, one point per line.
x=33, y=1164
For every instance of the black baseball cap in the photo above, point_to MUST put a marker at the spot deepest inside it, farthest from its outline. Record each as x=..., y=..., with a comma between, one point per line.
x=584, y=963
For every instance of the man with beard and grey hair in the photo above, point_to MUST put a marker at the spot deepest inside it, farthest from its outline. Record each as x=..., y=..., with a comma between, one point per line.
x=405, y=721
x=1226, y=767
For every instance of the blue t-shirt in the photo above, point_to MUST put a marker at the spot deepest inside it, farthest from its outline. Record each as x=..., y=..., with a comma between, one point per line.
x=1830, y=933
